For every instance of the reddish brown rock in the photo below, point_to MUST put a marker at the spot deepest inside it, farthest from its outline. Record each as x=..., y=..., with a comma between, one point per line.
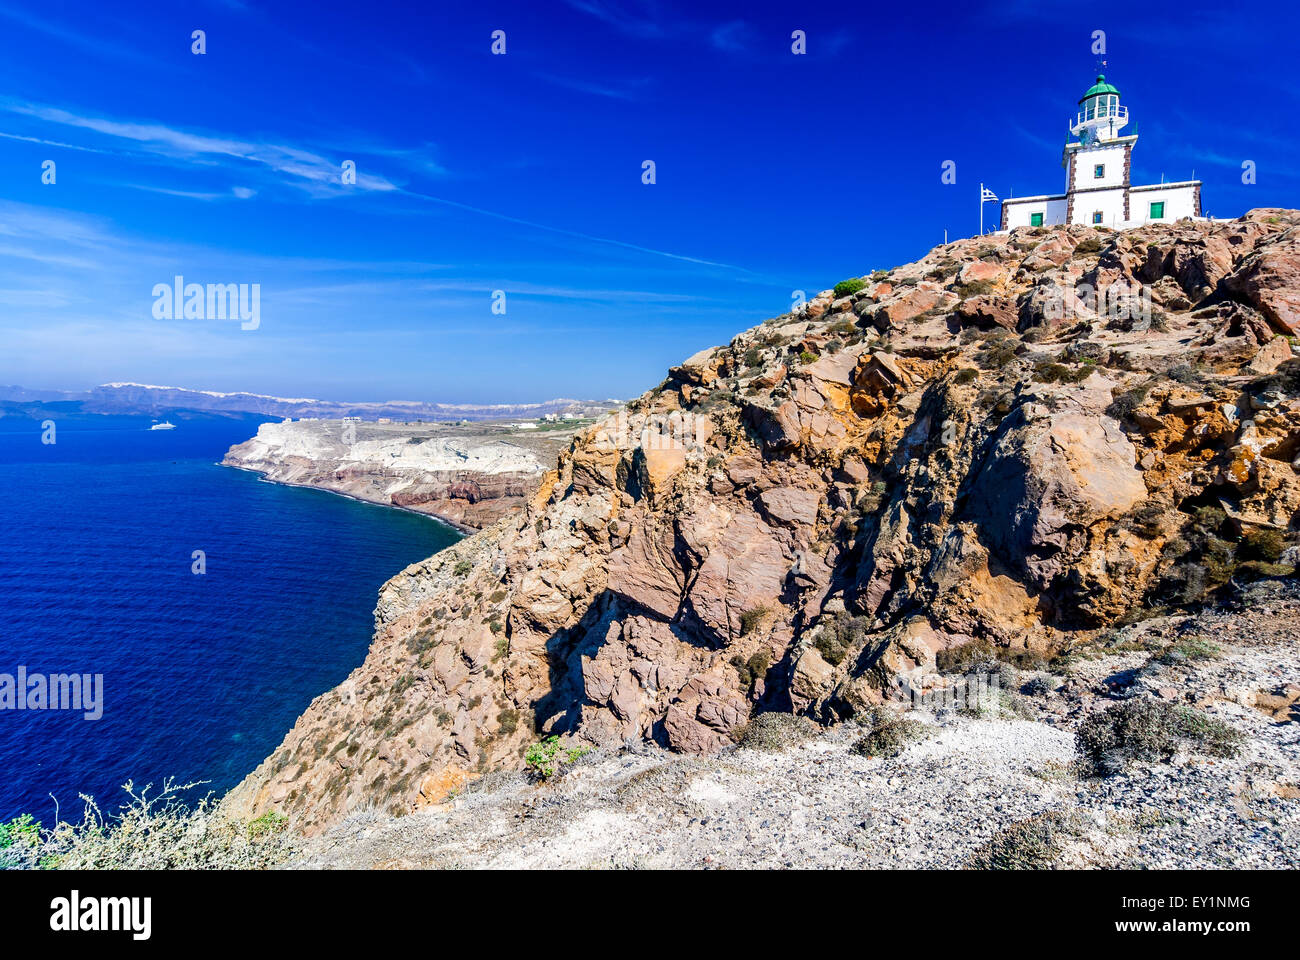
x=702, y=718
x=771, y=378
x=790, y=506
x=1271, y=356
x=980, y=271
x=987, y=311
x=1269, y=280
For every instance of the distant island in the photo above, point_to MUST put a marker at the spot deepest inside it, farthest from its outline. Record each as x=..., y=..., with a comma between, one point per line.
x=151, y=400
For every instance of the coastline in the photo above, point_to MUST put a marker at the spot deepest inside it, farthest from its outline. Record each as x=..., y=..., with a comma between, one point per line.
x=263, y=476
x=467, y=476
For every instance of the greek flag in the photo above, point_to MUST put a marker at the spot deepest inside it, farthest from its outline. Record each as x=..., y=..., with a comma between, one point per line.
x=987, y=194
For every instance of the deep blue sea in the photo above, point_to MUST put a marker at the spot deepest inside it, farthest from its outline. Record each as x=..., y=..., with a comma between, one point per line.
x=203, y=674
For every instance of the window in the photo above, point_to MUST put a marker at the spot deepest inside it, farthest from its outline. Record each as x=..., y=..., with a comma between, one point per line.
x=1157, y=210
x=1099, y=171
x=1035, y=219
x=1096, y=216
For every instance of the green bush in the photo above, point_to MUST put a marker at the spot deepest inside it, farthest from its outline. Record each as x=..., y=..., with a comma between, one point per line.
x=888, y=733
x=838, y=637
x=1261, y=569
x=1193, y=648
x=1149, y=730
x=1032, y=844
x=541, y=757
x=997, y=353
x=20, y=842
x=545, y=759
x=462, y=568
x=1050, y=372
x=985, y=657
x=1146, y=519
x=268, y=823
x=1266, y=545
x=508, y=721
x=849, y=286
x=775, y=732
x=1210, y=519
x=752, y=617
x=1124, y=405
x=752, y=670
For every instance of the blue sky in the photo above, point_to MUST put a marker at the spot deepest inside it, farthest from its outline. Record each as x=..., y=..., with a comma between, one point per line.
x=522, y=172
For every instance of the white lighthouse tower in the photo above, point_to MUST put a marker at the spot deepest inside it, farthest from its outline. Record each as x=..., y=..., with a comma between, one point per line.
x=1101, y=116
x=1098, y=159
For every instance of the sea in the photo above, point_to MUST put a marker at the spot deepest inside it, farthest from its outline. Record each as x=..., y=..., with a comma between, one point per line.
x=213, y=604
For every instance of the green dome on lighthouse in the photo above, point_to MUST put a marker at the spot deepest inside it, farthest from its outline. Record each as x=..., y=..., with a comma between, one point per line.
x=1100, y=88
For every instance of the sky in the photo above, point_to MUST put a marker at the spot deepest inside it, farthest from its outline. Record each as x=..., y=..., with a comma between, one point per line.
x=523, y=172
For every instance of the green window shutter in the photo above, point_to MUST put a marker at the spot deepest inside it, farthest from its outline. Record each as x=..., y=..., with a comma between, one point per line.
x=1035, y=219
x=1157, y=210
x=1099, y=171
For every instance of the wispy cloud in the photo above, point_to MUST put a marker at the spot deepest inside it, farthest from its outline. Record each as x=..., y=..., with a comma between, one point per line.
x=235, y=193
x=305, y=169
x=421, y=159
x=576, y=234
x=612, y=92
x=734, y=37
x=95, y=45
x=53, y=143
x=642, y=22
x=1039, y=141
x=1215, y=159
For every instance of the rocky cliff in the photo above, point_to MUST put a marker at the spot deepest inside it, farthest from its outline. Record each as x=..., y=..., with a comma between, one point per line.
x=1009, y=445
x=468, y=476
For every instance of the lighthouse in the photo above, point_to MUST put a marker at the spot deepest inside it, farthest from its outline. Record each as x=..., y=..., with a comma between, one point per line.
x=1098, y=162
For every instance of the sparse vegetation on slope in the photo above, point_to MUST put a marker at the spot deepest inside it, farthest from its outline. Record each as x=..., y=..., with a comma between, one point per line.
x=154, y=830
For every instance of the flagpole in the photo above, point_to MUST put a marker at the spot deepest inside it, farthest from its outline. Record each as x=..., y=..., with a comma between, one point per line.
x=981, y=209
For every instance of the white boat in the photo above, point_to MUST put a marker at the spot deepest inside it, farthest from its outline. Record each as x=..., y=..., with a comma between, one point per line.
x=165, y=425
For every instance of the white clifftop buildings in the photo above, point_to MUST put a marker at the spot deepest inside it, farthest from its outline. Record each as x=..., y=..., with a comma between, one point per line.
x=1097, y=186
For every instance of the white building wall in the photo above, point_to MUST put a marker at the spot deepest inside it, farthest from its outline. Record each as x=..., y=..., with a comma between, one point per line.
x=1020, y=211
x=1179, y=200
x=1086, y=160
x=1109, y=203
